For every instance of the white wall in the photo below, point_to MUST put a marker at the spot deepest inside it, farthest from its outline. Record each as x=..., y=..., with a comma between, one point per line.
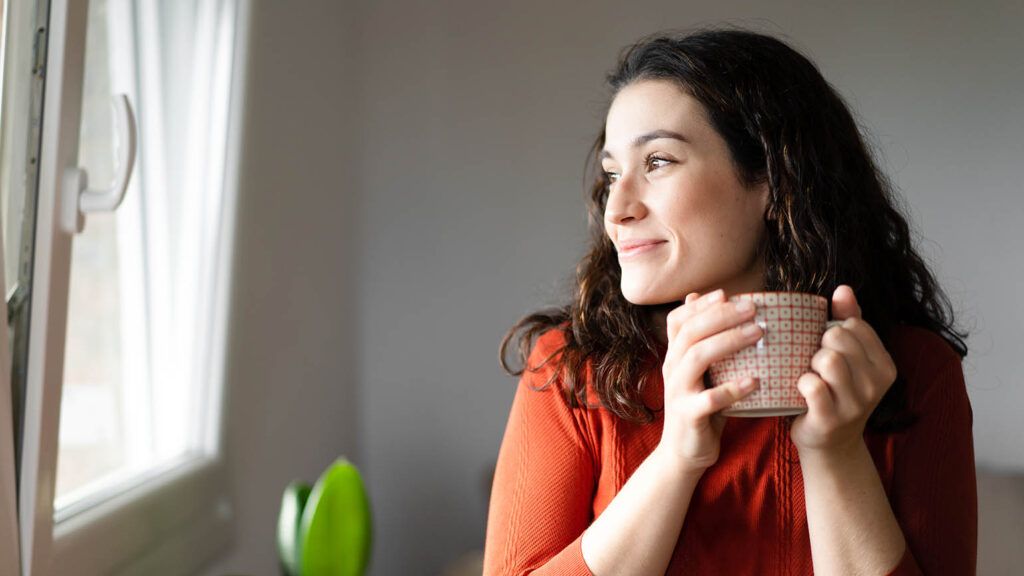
x=376, y=280
x=475, y=123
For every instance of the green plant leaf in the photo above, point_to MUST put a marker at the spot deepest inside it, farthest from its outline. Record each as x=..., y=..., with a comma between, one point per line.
x=336, y=531
x=293, y=502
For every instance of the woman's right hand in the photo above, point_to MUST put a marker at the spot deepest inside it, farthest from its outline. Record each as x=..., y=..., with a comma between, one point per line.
x=703, y=330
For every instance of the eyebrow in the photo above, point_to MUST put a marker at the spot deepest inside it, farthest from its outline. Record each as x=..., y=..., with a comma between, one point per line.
x=645, y=138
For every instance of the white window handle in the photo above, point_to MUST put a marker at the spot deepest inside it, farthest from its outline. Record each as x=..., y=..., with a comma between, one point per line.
x=78, y=199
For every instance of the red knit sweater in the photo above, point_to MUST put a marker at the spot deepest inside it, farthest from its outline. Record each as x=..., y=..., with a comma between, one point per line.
x=559, y=468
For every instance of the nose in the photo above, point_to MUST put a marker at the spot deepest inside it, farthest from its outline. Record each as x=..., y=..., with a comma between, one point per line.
x=625, y=201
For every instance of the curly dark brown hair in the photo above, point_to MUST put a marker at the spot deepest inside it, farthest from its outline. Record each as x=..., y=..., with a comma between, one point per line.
x=832, y=218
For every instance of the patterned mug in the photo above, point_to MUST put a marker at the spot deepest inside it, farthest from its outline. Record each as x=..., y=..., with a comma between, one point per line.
x=793, y=324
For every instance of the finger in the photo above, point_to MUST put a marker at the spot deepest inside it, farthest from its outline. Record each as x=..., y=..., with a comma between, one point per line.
x=714, y=318
x=844, y=303
x=857, y=365
x=698, y=358
x=834, y=368
x=679, y=314
x=874, y=349
x=846, y=342
x=721, y=397
x=821, y=408
x=694, y=304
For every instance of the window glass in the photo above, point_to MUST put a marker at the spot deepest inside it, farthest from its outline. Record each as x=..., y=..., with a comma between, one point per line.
x=136, y=380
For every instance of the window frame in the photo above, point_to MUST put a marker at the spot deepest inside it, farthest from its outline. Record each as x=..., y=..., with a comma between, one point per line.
x=10, y=558
x=178, y=517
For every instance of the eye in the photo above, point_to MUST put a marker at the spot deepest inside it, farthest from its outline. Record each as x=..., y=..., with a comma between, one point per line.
x=654, y=162
x=651, y=162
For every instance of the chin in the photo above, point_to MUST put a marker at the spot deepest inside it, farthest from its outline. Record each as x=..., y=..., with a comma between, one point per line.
x=648, y=299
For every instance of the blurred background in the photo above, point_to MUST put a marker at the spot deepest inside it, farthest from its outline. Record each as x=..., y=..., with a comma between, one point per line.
x=411, y=185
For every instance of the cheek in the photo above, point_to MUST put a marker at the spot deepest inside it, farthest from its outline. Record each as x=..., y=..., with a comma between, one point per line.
x=678, y=206
x=712, y=223
x=690, y=216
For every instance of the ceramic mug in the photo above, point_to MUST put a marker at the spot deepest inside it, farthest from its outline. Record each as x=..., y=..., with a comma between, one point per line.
x=793, y=324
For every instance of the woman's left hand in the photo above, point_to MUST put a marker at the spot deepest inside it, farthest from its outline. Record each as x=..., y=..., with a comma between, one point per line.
x=850, y=374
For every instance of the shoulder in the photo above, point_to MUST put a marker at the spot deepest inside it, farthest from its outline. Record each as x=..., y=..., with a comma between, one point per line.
x=917, y=349
x=543, y=398
x=927, y=362
x=550, y=342
x=545, y=368
x=545, y=356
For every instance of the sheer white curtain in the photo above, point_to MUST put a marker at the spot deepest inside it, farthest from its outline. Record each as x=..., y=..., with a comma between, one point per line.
x=138, y=393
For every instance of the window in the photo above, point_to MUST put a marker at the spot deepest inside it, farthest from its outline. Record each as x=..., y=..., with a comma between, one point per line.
x=118, y=331
x=137, y=389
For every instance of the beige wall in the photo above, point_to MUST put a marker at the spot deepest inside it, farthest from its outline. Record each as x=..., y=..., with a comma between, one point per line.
x=293, y=389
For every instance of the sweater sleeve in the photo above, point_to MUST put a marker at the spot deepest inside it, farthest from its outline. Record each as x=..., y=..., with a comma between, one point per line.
x=935, y=500
x=543, y=488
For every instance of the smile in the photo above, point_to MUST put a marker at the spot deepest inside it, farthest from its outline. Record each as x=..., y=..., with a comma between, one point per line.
x=639, y=251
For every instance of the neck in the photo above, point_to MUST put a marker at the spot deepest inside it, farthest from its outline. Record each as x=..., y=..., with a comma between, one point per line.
x=658, y=314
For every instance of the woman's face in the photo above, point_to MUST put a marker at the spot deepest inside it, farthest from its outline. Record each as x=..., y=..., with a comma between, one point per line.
x=673, y=181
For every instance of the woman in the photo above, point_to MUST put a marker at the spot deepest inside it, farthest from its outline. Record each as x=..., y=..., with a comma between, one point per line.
x=729, y=165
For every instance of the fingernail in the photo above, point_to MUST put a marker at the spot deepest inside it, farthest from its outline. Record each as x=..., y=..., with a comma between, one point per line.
x=717, y=295
x=751, y=329
x=744, y=306
x=746, y=384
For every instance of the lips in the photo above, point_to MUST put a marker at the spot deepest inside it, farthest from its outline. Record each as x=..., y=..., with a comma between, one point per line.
x=632, y=247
